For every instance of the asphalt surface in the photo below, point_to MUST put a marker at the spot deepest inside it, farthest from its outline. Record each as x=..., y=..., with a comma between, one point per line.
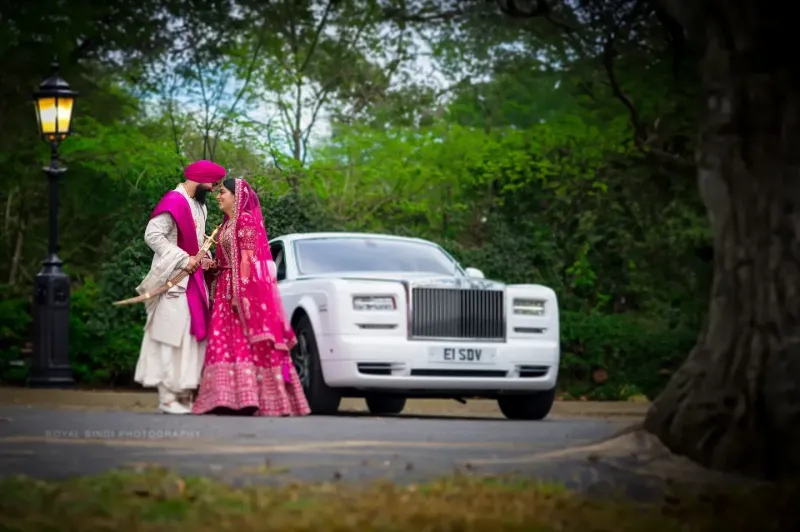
x=54, y=444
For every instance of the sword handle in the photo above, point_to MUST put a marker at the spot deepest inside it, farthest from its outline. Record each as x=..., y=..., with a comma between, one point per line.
x=175, y=280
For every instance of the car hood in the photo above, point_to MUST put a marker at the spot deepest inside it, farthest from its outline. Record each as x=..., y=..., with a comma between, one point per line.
x=417, y=279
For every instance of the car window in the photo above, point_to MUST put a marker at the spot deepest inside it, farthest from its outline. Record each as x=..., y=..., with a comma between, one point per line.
x=357, y=254
x=280, y=261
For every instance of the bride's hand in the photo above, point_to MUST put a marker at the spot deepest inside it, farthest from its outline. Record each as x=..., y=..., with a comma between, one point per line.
x=209, y=265
x=235, y=306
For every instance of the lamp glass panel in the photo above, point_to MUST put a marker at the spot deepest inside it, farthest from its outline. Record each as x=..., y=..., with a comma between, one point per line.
x=64, y=114
x=48, y=112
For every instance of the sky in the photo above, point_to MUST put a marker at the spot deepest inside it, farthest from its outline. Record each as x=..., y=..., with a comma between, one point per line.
x=421, y=68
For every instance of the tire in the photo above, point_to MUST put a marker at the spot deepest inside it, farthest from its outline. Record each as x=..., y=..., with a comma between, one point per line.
x=529, y=407
x=385, y=405
x=322, y=399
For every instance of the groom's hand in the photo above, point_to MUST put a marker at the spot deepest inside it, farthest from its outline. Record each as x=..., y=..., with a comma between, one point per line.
x=191, y=266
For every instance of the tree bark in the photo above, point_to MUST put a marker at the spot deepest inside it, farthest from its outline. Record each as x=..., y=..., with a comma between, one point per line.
x=735, y=403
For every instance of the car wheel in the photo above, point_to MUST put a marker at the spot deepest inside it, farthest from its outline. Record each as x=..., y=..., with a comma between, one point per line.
x=322, y=399
x=385, y=405
x=535, y=406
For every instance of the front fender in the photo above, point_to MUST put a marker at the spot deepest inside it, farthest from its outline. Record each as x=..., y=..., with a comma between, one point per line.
x=317, y=313
x=311, y=308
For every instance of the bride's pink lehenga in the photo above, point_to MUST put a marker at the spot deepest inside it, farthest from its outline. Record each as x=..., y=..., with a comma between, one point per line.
x=248, y=367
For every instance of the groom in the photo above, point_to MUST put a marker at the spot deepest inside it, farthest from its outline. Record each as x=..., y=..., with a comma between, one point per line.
x=174, y=343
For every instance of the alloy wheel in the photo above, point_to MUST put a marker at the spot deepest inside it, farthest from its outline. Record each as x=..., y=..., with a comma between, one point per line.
x=300, y=357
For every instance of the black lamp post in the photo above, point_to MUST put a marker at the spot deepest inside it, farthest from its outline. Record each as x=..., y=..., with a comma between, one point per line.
x=54, y=101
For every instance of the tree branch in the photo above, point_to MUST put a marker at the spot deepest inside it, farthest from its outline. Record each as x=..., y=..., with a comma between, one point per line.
x=171, y=115
x=313, y=46
x=206, y=125
x=675, y=38
x=286, y=118
x=298, y=117
x=293, y=42
x=321, y=99
x=640, y=135
x=173, y=126
x=322, y=95
x=272, y=151
x=401, y=15
x=540, y=8
x=642, y=139
x=248, y=76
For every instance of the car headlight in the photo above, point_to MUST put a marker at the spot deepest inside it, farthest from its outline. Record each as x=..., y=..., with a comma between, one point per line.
x=529, y=307
x=374, y=303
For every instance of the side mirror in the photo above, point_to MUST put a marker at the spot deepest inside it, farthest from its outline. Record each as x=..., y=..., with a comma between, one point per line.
x=474, y=272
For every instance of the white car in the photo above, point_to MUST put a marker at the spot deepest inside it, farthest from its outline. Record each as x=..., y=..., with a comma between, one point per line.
x=386, y=318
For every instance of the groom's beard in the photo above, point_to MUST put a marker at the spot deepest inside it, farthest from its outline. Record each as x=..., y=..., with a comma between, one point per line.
x=200, y=195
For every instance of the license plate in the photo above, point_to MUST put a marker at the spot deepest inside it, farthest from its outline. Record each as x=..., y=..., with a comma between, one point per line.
x=462, y=355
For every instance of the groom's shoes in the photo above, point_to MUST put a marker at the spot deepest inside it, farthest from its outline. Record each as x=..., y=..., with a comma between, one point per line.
x=174, y=408
x=187, y=400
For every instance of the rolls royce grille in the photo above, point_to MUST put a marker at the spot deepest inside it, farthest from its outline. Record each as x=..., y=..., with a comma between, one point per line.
x=457, y=313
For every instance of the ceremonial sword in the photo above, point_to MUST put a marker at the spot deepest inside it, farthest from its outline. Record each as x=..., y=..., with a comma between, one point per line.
x=175, y=280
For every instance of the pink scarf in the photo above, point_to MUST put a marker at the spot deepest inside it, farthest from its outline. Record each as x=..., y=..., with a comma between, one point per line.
x=177, y=206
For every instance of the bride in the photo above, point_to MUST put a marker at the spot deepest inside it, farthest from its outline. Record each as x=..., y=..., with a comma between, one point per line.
x=248, y=367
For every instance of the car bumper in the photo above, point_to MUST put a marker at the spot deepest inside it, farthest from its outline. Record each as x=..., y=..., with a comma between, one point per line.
x=381, y=363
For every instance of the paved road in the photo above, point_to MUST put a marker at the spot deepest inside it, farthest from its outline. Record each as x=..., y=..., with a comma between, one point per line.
x=61, y=443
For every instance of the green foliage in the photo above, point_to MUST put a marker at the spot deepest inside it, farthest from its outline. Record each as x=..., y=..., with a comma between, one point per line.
x=15, y=329
x=638, y=354
x=527, y=169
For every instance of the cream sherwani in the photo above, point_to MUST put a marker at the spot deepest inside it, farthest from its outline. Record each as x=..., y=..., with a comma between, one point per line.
x=170, y=359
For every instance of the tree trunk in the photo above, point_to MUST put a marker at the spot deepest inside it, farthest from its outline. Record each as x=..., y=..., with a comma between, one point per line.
x=735, y=403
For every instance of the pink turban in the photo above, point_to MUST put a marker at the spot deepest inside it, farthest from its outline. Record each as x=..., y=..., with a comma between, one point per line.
x=204, y=172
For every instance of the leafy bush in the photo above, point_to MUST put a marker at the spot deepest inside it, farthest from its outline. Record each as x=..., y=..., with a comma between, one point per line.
x=15, y=331
x=636, y=354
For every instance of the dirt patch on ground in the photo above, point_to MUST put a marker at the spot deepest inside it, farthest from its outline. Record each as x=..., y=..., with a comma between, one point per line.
x=637, y=453
x=146, y=401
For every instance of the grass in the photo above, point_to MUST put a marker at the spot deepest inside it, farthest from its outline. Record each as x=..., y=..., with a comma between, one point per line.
x=154, y=500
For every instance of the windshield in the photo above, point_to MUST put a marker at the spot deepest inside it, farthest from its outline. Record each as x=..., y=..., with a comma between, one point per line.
x=364, y=254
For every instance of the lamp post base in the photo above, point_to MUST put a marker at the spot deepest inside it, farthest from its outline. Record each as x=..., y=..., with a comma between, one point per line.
x=51, y=366
x=60, y=378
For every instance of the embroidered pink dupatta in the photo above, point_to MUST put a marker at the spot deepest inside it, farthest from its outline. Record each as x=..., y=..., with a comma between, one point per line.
x=254, y=278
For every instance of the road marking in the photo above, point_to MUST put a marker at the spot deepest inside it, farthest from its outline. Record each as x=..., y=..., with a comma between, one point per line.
x=576, y=450
x=387, y=451
x=96, y=441
x=217, y=445
x=222, y=449
x=525, y=459
x=342, y=448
